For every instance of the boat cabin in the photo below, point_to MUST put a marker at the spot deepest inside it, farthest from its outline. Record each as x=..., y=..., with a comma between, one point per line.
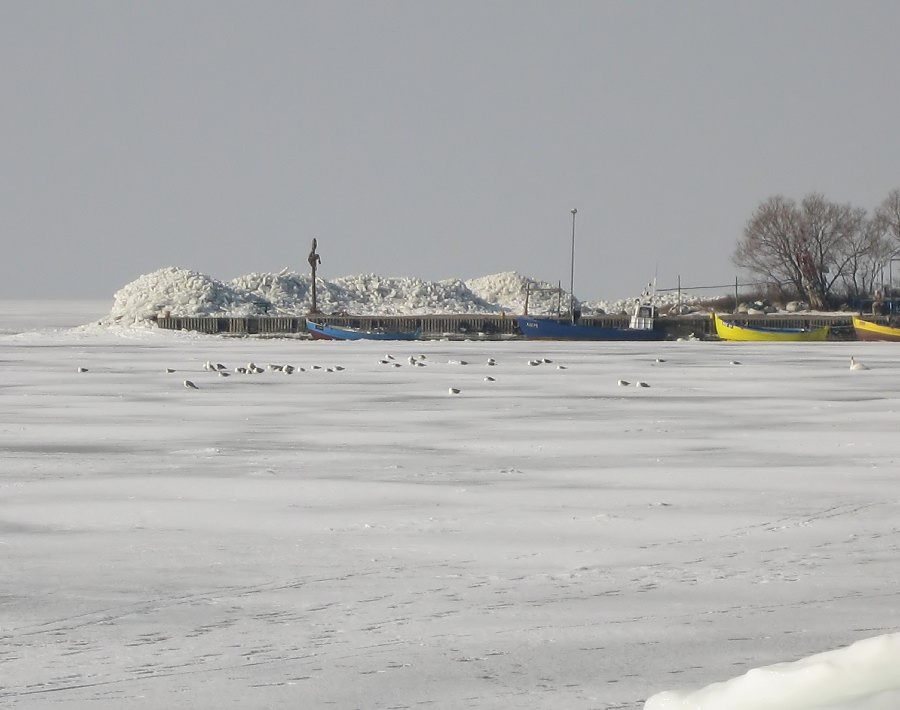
x=643, y=316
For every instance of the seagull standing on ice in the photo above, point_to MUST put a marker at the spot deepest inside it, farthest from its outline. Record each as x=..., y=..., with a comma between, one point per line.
x=190, y=385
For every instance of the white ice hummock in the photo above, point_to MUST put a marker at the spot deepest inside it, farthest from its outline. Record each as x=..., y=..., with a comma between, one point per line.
x=863, y=676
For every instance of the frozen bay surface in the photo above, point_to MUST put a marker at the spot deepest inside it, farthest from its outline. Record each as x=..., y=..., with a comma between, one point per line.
x=30, y=315
x=352, y=535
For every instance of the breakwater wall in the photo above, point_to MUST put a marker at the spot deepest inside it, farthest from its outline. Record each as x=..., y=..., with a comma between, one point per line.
x=489, y=326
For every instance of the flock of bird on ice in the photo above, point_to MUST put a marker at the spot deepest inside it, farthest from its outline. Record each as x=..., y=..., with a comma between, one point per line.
x=252, y=368
x=389, y=360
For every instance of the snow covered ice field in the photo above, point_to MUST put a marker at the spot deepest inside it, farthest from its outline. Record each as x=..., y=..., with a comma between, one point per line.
x=361, y=538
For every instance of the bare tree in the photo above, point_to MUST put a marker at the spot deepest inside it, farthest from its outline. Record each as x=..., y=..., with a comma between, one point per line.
x=887, y=219
x=865, y=255
x=807, y=247
x=767, y=247
x=889, y=211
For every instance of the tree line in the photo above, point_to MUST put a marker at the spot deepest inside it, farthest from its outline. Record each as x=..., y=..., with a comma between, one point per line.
x=820, y=251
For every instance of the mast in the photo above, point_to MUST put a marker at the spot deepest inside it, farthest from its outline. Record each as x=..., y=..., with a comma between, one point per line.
x=314, y=260
x=574, y=211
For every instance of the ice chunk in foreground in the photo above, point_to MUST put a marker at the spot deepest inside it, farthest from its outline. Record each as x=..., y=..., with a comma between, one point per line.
x=863, y=676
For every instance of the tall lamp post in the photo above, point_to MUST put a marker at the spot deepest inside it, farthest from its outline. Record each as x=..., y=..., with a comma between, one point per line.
x=889, y=290
x=572, y=270
x=892, y=257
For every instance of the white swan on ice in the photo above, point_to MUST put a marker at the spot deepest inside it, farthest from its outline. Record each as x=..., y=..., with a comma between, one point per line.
x=856, y=365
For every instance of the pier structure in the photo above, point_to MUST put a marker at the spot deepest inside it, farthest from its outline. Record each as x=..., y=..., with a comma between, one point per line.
x=488, y=326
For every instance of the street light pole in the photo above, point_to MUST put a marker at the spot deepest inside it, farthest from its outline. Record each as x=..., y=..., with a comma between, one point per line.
x=572, y=270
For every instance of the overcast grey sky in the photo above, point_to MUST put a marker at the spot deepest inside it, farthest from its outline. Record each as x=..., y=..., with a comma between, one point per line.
x=428, y=138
